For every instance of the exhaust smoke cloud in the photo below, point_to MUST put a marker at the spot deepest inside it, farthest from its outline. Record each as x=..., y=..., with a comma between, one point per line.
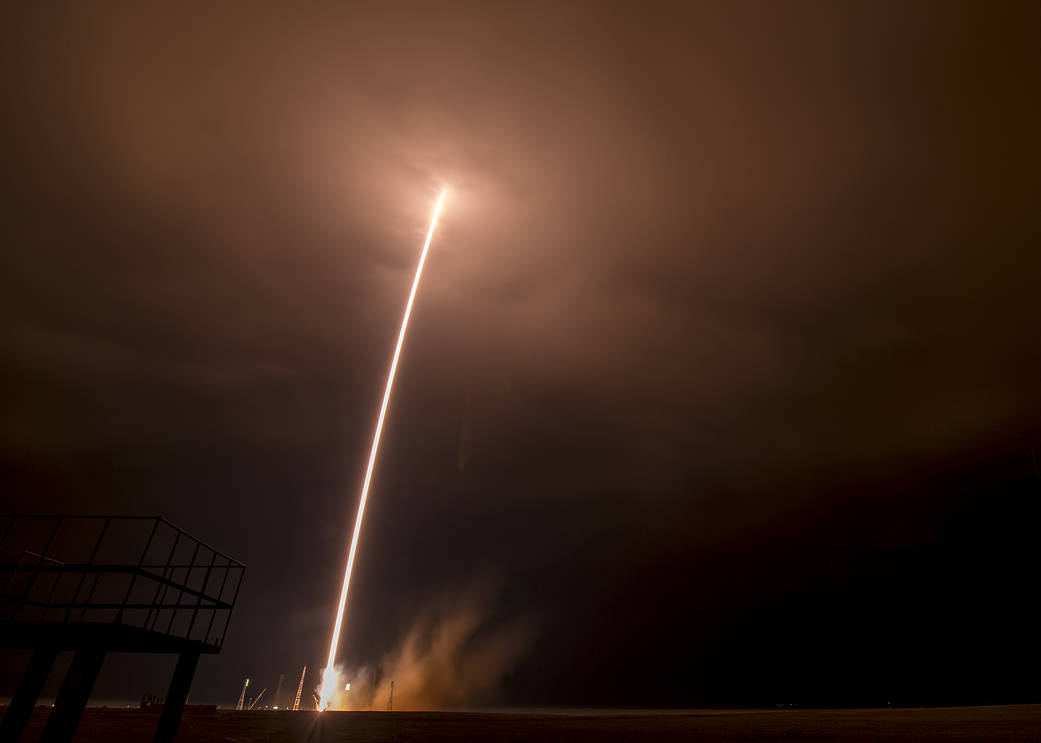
x=453, y=656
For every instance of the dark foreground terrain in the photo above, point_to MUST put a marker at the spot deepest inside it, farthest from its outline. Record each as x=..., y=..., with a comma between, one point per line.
x=1012, y=723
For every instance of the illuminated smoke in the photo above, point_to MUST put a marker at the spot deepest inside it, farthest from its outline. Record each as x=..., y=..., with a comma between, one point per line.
x=454, y=655
x=330, y=679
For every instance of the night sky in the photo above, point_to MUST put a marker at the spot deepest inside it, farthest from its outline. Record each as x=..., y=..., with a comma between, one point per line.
x=718, y=382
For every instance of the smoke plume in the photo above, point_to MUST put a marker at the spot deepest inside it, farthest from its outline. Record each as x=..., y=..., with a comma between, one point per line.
x=455, y=655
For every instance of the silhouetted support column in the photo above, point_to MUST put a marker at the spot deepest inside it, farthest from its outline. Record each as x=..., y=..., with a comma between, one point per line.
x=176, y=697
x=25, y=696
x=72, y=697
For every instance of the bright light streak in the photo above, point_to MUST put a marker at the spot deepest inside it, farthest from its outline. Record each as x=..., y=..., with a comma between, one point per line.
x=329, y=683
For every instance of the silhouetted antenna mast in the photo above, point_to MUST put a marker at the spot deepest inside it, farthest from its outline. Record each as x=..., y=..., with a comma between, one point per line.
x=299, y=690
x=390, y=700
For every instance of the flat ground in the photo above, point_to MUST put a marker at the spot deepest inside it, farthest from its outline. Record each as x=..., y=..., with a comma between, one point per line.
x=1011, y=723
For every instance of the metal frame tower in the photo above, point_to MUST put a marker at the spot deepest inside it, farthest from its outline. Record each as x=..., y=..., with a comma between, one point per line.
x=299, y=690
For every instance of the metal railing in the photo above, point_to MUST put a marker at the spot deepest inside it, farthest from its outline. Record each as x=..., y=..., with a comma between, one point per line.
x=142, y=572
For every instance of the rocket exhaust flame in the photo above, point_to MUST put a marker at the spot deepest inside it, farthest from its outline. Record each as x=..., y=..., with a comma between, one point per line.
x=329, y=676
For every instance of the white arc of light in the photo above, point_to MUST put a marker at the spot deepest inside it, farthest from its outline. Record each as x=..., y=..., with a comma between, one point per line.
x=328, y=675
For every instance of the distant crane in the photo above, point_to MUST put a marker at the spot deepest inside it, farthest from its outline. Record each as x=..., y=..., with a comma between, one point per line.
x=242, y=696
x=253, y=703
x=299, y=690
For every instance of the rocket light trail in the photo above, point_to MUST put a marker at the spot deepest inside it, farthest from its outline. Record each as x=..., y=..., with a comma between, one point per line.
x=329, y=684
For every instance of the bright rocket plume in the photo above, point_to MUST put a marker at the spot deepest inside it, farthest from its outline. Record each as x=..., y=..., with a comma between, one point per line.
x=329, y=680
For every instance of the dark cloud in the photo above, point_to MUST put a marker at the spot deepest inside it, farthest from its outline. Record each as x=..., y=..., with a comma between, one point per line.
x=731, y=315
